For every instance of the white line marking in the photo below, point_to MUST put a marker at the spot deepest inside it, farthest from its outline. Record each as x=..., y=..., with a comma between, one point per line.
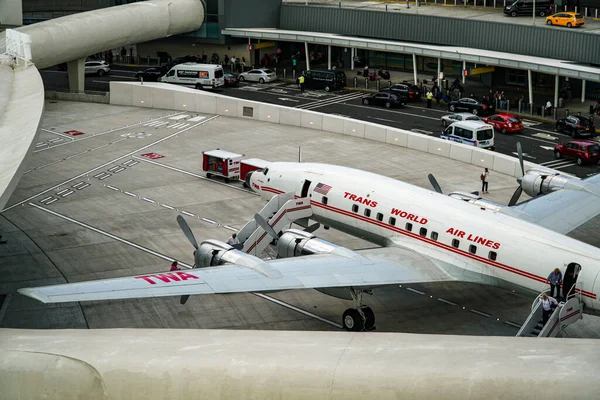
x=196, y=119
x=148, y=200
x=130, y=194
x=62, y=191
x=78, y=184
x=446, y=301
x=393, y=111
x=415, y=291
x=62, y=135
x=120, y=169
x=187, y=213
x=301, y=311
x=105, y=176
x=46, y=199
x=167, y=206
x=483, y=314
x=137, y=246
x=178, y=117
x=230, y=228
x=108, y=163
x=113, y=188
x=176, y=126
x=513, y=324
x=51, y=201
x=83, y=186
x=208, y=220
x=70, y=192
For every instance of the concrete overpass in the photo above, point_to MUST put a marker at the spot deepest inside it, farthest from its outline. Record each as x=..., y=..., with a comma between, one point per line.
x=70, y=39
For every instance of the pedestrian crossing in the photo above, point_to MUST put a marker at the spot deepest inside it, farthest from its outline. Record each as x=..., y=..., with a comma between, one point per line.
x=331, y=100
x=559, y=163
x=180, y=121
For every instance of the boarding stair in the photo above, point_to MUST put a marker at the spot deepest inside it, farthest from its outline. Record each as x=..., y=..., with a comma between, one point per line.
x=566, y=313
x=280, y=212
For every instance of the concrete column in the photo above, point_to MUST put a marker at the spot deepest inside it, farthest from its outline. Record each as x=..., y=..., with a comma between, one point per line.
x=556, y=81
x=307, y=56
x=583, y=91
x=439, y=70
x=76, y=72
x=415, y=67
x=352, y=58
x=329, y=57
x=530, y=86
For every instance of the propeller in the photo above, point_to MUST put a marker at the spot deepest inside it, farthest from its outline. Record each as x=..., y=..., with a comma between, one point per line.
x=265, y=225
x=434, y=183
x=519, y=190
x=190, y=236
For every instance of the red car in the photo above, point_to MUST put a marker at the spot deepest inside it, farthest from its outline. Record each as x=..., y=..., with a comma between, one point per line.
x=584, y=151
x=505, y=123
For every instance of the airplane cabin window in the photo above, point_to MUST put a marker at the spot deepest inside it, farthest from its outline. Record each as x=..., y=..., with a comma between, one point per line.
x=324, y=200
x=392, y=221
x=379, y=217
x=423, y=232
x=355, y=208
x=455, y=243
x=472, y=249
x=434, y=235
x=492, y=256
x=367, y=212
x=408, y=226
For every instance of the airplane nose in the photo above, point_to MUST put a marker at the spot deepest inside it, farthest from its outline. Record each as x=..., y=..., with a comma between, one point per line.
x=247, y=180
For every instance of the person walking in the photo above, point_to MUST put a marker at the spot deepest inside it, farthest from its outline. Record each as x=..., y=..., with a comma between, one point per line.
x=174, y=266
x=555, y=280
x=233, y=240
x=294, y=63
x=301, y=82
x=547, y=303
x=233, y=60
x=548, y=108
x=484, y=181
x=429, y=98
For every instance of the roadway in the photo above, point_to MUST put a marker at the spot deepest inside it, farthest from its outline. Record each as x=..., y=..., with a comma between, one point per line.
x=538, y=139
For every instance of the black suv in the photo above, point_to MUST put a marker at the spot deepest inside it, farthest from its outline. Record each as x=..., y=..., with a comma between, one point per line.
x=388, y=100
x=410, y=92
x=576, y=126
x=325, y=79
x=473, y=105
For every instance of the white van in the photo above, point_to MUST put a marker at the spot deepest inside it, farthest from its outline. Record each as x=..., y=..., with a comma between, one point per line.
x=474, y=133
x=202, y=76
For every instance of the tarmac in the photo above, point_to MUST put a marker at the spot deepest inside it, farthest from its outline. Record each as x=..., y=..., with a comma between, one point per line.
x=104, y=186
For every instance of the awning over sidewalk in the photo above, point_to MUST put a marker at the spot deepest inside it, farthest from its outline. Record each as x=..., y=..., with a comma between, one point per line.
x=485, y=57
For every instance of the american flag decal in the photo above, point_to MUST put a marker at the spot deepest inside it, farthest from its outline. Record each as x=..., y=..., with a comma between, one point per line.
x=322, y=188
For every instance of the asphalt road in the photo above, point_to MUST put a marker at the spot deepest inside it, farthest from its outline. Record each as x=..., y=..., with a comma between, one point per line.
x=538, y=139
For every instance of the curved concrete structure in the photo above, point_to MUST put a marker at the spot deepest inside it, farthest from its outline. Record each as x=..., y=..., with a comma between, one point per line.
x=224, y=364
x=79, y=35
x=21, y=108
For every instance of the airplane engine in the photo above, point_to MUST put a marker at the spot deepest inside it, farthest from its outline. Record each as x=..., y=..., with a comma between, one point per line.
x=540, y=181
x=477, y=200
x=294, y=243
x=212, y=253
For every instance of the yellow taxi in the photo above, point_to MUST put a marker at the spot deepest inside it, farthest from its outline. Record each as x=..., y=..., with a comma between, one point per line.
x=568, y=19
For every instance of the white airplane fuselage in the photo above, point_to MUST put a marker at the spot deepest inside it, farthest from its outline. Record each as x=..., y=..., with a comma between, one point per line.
x=467, y=239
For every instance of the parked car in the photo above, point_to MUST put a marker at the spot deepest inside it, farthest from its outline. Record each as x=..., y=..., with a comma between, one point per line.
x=451, y=118
x=258, y=75
x=149, y=74
x=473, y=105
x=324, y=79
x=568, y=19
x=576, y=126
x=388, y=100
x=411, y=92
x=505, y=123
x=525, y=7
x=583, y=151
x=99, y=68
x=231, y=79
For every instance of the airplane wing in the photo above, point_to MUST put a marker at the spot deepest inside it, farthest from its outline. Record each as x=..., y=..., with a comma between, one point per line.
x=563, y=210
x=373, y=267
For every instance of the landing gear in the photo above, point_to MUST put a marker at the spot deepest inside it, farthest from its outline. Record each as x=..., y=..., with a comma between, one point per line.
x=361, y=318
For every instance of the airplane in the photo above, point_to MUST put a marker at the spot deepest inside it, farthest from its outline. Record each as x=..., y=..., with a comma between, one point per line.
x=425, y=236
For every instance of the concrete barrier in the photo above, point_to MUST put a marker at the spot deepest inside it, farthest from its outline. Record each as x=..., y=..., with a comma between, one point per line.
x=82, y=97
x=161, y=95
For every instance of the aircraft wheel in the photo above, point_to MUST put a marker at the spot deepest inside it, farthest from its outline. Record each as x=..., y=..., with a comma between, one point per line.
x=557, y=154
x=352, y=321
x=370, y=316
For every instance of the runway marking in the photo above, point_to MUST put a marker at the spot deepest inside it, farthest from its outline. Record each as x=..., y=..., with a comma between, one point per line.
x=415, y=291
x=299, y=310
x=196, y=119
x=446, y=301
x=210, y=221
x=513, y=324
x=130, y=194
x=483, y=314
x=107, y=234
x=61, y=192
x=109, y=163
x=178, y=117
x=130, y=163
x=147, y=199
x=82, y=186
x=89, y=136
x=70, y=192
x=189, y=214
x=557, y=163
x=331, y=100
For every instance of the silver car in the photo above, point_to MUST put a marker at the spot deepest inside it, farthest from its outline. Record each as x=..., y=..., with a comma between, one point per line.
x=465, y=116
x=99, y=68
x=258, y=75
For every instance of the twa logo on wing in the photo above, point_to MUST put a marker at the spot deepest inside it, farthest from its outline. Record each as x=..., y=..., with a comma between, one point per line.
x=167, y=277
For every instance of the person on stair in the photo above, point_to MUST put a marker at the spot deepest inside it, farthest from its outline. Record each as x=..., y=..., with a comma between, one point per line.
x=547, y=303
x=555, y=280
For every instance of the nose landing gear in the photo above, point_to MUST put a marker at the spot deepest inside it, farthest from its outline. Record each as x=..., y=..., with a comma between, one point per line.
x=361, y=318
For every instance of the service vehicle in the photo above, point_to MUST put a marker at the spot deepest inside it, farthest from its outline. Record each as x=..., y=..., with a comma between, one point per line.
x=475, y=105
x=324, y=79
x=411, y=92
x=526, y=7
x=576, y=126
x=99, y=68
x=260, y=75
x=149, y=74
x=474, y=133
x=452, y=118
x=222, y=163
x=568, y=19
x=388, y=100
x=583, y=151
x=202, y=76
x=505, y=123
x=251, y=164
